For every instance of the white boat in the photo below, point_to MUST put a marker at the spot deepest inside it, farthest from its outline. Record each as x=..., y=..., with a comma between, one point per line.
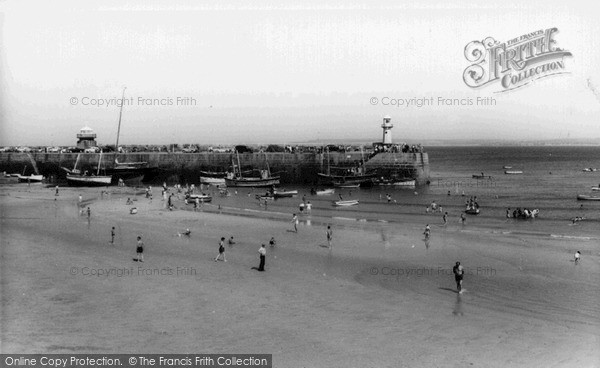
x=284, y=193
x=346, y=185
x=31, y=178
x=325, y=191
x=589, y=169
x=507, y=167
x=351, y=202
x=202, y=197
x=513, y=172
x=211, y=180
x=408, y=183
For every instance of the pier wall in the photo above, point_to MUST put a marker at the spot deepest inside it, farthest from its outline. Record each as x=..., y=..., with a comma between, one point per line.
x=300, y=168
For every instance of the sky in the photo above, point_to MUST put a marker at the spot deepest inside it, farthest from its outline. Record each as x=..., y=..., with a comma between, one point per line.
x=284, y=72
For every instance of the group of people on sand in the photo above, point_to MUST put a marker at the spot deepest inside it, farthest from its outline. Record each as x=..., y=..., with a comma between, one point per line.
x=472, y=204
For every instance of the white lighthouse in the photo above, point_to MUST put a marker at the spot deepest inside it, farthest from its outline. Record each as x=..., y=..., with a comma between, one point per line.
x=387, y=129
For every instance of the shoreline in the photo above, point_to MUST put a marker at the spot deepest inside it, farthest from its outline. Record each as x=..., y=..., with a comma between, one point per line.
x=227, y=307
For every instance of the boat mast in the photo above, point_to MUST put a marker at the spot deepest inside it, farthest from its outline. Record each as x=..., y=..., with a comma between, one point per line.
x=239, y=167
x=99, y=163
x=119, y=128
x=268, y=168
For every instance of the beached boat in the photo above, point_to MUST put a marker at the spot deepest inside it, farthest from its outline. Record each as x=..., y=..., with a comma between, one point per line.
x=202, y=197
x=209, y=180
x=236, y=179
x=475, y=176
x=325, y=191
x=507, y=167
x=595, y=189
x=351, y=202
x=269, y=197
x=31, y=178
x=513, y=172
x=589, y=169
x=284, y=193
x=584, y=197
x=472, y=211
x=345, y=177
x=347, y=186
x=77, y=179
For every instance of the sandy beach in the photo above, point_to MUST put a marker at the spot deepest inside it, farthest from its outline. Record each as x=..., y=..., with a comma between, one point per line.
x=381, y=297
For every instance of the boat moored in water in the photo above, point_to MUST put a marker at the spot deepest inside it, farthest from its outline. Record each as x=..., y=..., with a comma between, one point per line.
x=584, y=197
x=351, y=202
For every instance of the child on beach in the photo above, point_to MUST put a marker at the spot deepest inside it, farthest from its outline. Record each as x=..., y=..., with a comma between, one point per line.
x=463, y=219
x=329, y=236
x=445, y=218
x=89, y=212
x=272, y=242
x=295, y=222
x=112, y=235
x=231, y=241
x=459, y=272
x=577, y=257
x=427, y=231
x=140, y=249
x=221, y=250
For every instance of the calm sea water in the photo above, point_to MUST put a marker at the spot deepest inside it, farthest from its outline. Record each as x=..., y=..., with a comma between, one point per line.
x=552, y=177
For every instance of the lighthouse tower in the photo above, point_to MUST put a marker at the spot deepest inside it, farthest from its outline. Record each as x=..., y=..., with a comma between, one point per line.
x=387, y=127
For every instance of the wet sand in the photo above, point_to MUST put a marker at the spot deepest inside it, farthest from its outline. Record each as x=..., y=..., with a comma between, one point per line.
x=381, y=297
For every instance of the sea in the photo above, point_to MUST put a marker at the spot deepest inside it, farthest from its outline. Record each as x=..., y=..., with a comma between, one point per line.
x=552, y=178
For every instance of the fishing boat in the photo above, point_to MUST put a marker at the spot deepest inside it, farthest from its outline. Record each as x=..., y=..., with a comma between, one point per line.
x=345, y=177
x=584, y=197
x=133, y=172
x=325, y=191
x=351, y=202
x=209, y=180
x=513, y=172
x=284, y=193
x=236, y=179
x=77, y=179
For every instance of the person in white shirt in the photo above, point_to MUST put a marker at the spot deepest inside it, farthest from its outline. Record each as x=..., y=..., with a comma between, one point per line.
x=263, y=253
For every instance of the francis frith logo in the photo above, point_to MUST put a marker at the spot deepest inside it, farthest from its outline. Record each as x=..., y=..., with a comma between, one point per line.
x=516, y=62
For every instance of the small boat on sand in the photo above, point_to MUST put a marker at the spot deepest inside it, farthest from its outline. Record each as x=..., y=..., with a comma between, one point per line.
x=513, y=172
x=325, y=191
x=31, y=178
x=351, y=202
x=202, y=197
x=475, y=176
x=595, y=189
x=584, y=197
x=507, y=167
x=472, y=211
x=284, y=193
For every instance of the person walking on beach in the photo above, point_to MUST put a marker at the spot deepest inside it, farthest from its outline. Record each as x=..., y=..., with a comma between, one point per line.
x=463, y=218
x=427, y=231
x=295, y=222
x=263, y=254
x=329, y=236
x=445, y=218
x=89, y=212
x=221, y=250
x=577, y=257
x=112, y=235
x=458, y=272
x=140, y=249
x=56, y=194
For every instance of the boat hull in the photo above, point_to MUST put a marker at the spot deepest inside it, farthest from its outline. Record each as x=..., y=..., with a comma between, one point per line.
x=513, y=172
x=30, y=178
x=345, y=203
x=583, y=197
x=325, y=192
x=89, y=181
x=252, y=182
x=212, y=180
x=282, y=194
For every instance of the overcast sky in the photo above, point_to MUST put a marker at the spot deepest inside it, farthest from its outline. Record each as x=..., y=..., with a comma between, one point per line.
x=283, y=71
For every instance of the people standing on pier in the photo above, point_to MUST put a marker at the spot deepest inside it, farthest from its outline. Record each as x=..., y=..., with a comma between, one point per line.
x=295, y=222
x=221, y=250
x=458, y=272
